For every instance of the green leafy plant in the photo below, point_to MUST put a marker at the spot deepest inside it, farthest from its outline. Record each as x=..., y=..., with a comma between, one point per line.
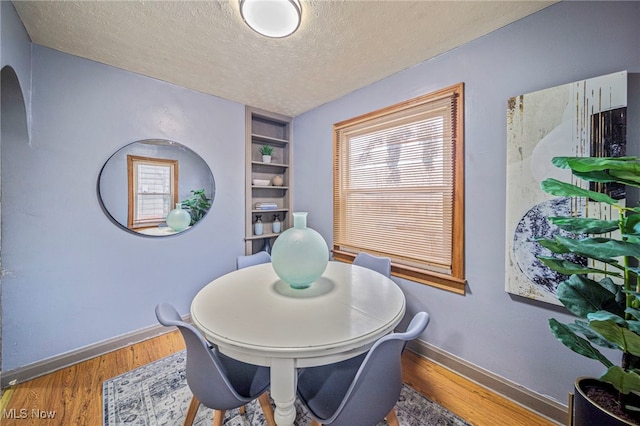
x=266, y=149
x=607, y=306
x=197, y=205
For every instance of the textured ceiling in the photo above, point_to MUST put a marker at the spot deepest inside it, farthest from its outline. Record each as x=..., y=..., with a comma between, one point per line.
x=341, y=46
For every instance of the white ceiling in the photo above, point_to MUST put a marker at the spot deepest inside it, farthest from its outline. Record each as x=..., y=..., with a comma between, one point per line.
x=341, y=46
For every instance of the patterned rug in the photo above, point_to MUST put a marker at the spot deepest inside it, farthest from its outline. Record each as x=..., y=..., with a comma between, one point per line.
x=157, y=394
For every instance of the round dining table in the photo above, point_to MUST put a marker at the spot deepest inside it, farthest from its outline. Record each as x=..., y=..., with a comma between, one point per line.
x=255, y=317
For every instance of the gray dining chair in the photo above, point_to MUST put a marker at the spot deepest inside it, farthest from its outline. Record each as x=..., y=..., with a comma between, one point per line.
x=217, y=381
x=362, y=390
x=253, y=259
x=377, y=263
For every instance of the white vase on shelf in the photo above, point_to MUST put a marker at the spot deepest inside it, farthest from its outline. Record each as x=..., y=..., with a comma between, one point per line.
x=276, y=226
x=257, y=226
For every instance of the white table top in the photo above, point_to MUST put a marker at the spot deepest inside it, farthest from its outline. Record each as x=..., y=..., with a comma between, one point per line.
x=250, y=313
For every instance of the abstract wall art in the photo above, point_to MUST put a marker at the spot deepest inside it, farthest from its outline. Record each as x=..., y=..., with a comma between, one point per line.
x=584, y=118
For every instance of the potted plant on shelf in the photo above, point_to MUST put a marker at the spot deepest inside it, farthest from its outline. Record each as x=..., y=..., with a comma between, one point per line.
x=606, y=295
x=197, y=205
x=266, y=151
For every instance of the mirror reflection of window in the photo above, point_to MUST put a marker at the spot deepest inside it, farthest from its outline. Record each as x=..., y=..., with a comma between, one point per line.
x=153, y=190
x=156, y=189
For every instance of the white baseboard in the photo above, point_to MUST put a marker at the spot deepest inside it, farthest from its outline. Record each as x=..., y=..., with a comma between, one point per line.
x=546, y=407
x=49, y=365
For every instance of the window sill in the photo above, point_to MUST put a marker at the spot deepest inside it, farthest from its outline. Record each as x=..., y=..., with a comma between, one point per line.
x=433, y=279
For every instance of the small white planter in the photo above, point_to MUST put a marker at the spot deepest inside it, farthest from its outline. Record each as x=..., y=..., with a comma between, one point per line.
x=266, y=158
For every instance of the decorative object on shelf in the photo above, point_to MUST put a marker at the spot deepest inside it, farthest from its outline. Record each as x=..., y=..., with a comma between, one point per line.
x=261, y=182
x=276, y=224
x=299, y=255
x=257, y=227
x=178, y=219
x=198, y=204
x=266, y=152
x=277, y=180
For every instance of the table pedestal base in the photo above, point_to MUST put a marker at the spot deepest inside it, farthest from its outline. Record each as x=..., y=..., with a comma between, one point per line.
x=283, y=385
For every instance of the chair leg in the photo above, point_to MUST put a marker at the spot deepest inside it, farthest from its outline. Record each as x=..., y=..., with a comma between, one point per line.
x=392, y=419
x=218, y=417
x=267, y=410
x=315, y=423
x=191, y=411
x=242, y=410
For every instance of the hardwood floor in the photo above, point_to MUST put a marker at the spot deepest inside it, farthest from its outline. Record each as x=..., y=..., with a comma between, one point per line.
x=73, y=396
x=468, y=400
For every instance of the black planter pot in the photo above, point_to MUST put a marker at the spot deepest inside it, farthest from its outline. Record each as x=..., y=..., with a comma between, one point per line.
x=586, y=412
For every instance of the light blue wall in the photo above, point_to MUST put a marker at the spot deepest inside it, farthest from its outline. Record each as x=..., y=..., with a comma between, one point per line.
x=72, y=278
x=489, y=328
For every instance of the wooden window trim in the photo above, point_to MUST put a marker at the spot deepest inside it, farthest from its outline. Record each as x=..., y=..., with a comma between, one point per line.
x=131, y=160
x=455, y=282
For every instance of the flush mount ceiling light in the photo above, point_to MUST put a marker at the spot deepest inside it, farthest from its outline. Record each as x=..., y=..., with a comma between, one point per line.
x=271, y=18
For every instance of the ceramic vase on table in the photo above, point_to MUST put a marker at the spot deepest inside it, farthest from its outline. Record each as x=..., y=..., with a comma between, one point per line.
x=178, y=219
x=299, y=255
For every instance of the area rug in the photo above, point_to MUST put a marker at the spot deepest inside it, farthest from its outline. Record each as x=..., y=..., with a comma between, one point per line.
x=157, y=394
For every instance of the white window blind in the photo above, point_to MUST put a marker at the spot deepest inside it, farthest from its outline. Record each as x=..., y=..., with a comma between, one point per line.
x=395, y=188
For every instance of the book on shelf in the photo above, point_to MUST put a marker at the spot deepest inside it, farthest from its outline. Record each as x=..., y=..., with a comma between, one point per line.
x=266, y=206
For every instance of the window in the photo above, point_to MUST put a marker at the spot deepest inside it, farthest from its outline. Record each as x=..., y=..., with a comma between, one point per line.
x=399, y=189
x=153, y=190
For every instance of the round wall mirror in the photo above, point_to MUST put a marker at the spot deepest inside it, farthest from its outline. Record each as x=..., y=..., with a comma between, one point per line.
x=156, y=187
